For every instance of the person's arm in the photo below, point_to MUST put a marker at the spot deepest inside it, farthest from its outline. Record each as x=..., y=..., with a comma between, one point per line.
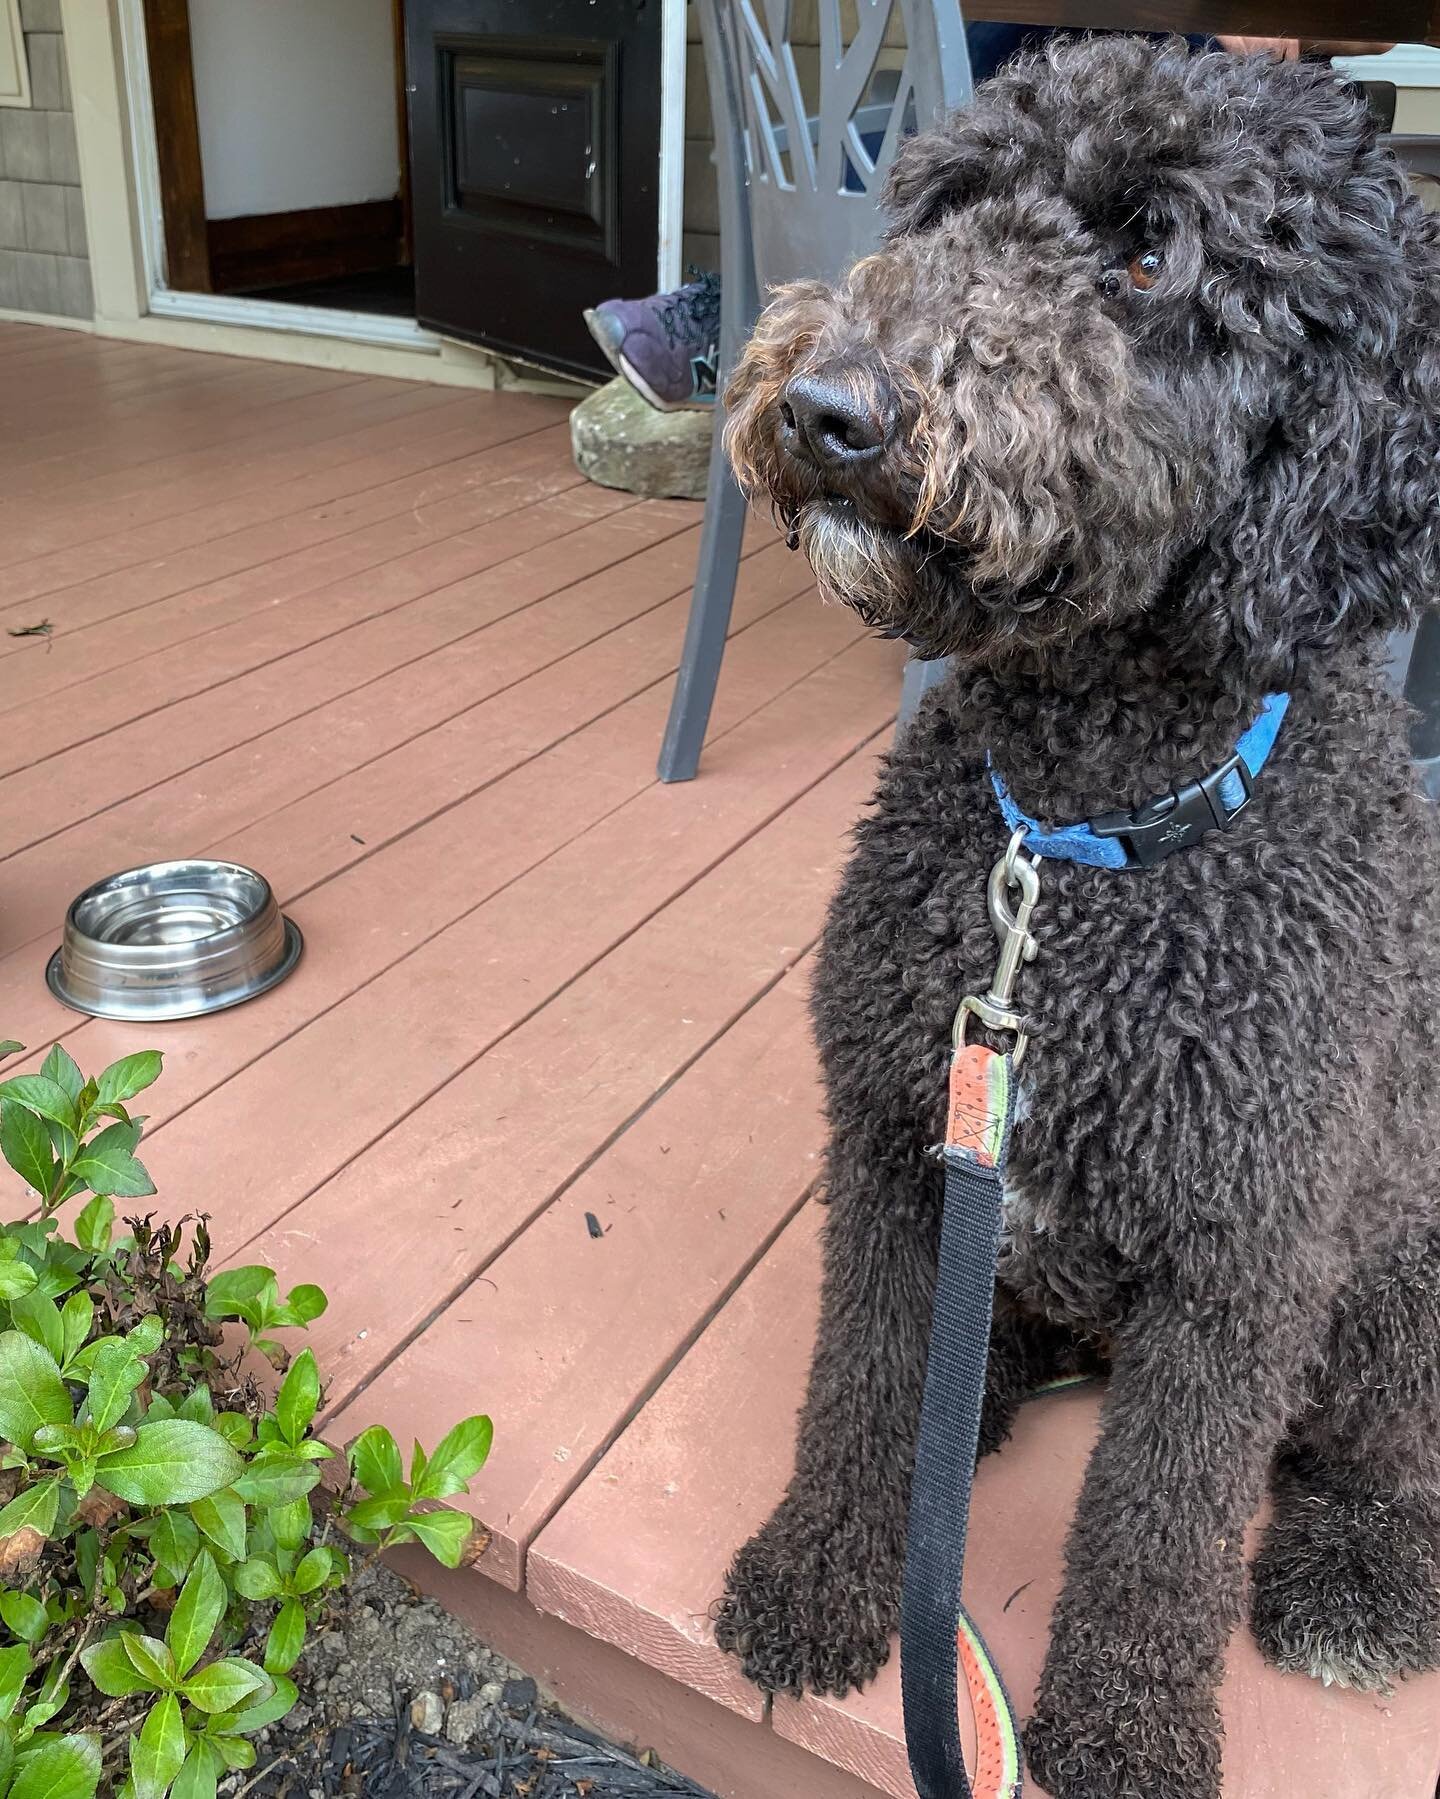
x=1292, y=47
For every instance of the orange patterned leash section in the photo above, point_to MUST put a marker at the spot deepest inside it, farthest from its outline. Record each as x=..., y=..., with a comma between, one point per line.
x=979, y=1103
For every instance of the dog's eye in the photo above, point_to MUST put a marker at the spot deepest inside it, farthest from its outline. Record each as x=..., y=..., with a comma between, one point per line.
x=1144, y=269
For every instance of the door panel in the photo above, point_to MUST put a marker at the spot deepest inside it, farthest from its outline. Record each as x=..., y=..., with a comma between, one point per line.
x=535, y=144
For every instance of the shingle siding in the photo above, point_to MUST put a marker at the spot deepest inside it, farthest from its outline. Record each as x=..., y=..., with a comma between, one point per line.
x=44, y=265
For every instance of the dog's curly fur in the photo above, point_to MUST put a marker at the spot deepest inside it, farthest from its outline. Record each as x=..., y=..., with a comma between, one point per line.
x=1160, y=337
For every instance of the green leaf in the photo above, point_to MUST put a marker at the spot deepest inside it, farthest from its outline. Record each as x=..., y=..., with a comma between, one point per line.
x=291, y=1525
x=112, y=1670
x=122, y=1080
x=305, y=1304
x=51, y=1439
x=235, y=1287
x=77, y=1315
x=379, y=1514
x=25, y=1144
x=173, y=1462
x=31, y=1390
x=95, y=1224
x=270, y=1710
x=158, y=1753
x=375, y=1457
x=313, y=1571
x=150, y=1657
x=197, y=1406
x=299, y=1397
x=115, y=1372
x=198, y=1610
x=65, y=1768
x=105, y=1165
x=14, y=1672
x=39, y=1318
x=147, y=1335
x=9, y=1047
x=198, y=1776
x=64, y=1143
x=222, y=1518
x=38, y=1093
x=16, y=1278
x=236, y=1429
x=237, y=1752
x=286, y=1639
x=59, y=1066
x=276, y=1481
x=54, y=1697
x=444, y=1534
x=224, y=1685
x=174, y=1542
x=34, y=1509
x=24, y=1616
x=457, y=1459
x=257, y=1579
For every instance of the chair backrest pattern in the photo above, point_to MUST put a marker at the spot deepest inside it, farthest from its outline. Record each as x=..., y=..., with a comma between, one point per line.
x=817, y=131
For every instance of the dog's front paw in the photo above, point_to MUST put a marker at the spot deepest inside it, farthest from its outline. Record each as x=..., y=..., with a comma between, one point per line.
x=801, y=1614
x=1346, y=1589
x=1110, y=1744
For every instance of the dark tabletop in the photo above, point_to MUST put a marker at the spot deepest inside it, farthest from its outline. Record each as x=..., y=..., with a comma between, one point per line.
x=1389, y=21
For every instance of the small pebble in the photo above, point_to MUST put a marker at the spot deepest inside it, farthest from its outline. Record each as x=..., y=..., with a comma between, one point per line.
x=427, y=1713
x=466, y=1720
x=520, y=1695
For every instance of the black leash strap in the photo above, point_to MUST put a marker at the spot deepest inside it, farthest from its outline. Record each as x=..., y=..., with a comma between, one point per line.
x=932, y=1616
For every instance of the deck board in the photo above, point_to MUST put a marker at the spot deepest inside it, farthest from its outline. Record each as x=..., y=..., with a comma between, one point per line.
x=97, y=703
x=152, y=515
x=500, y=471
x=639, y=1554
x=385, y=644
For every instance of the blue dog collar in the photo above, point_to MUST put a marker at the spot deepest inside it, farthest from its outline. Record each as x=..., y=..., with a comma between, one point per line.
x=1159, y=827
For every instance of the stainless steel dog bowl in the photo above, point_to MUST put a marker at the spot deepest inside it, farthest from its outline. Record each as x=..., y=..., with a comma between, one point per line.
x=172, y=940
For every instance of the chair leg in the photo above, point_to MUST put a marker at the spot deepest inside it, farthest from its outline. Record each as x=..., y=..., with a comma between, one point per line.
x=709, y=621
x=920, y=677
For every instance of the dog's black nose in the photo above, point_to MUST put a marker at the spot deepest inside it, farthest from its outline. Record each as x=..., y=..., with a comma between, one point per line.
x=835, y=421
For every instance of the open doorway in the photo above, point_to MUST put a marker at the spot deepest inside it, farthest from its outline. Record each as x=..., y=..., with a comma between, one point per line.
x=478, y=170
x=282, y=146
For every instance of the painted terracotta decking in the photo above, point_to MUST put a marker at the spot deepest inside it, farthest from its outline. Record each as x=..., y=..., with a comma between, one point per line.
x=383, y=643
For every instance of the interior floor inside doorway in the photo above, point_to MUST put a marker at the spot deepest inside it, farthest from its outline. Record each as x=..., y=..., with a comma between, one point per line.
x=387, y=291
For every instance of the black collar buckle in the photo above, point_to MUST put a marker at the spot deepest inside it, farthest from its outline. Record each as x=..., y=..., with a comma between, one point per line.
x=1173, y=821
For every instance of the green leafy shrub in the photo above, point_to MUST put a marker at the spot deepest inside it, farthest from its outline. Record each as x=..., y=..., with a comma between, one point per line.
x=163, y=1547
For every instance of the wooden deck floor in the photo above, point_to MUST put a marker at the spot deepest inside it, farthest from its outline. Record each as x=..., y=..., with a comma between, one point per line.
x=383, y=643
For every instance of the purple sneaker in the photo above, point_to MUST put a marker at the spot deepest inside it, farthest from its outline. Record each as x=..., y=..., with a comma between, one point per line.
x=666, y=347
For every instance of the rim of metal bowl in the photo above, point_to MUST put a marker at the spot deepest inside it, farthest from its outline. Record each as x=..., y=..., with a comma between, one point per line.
x=151, y=1006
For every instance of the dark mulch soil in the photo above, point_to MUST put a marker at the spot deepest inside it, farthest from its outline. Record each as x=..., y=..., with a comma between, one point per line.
x=401, y=1701
x=529, y=1753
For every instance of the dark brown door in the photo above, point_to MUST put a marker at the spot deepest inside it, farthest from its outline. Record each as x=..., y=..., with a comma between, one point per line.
x=535, y=152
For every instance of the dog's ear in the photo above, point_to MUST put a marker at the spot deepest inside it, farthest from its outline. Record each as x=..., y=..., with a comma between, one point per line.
x=1337, y=532
x=932, y=171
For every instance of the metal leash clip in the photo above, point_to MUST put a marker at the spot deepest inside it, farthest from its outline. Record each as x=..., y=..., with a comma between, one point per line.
x=996, y=1008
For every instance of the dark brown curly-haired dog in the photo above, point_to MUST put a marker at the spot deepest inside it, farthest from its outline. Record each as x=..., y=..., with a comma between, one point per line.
x=1136, y=413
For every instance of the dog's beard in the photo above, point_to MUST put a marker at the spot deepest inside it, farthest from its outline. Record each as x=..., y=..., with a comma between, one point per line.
x=856, y=563
x=914, y=585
